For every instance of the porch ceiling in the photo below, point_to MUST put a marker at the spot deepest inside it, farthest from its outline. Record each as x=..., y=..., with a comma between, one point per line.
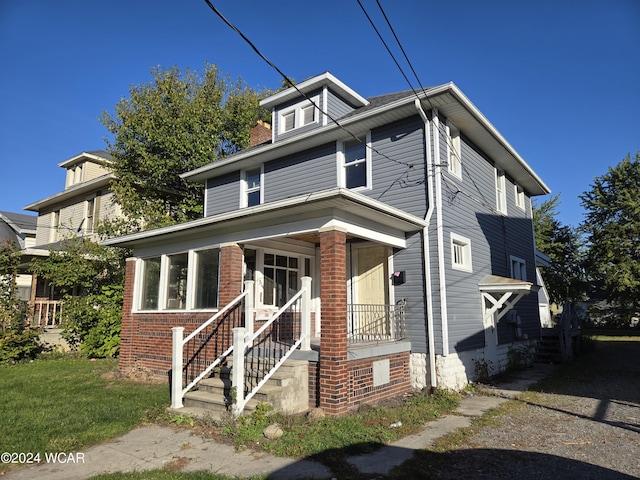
x=297, y=217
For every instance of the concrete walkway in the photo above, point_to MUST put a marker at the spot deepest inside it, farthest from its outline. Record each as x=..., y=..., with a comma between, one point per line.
x=153, y=447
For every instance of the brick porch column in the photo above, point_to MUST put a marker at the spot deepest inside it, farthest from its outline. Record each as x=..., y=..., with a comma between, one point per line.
x=334, y=374
x=126, y=360
x=230, y=273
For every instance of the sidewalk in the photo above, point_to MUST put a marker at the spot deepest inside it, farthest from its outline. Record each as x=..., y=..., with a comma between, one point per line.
x=154, y=447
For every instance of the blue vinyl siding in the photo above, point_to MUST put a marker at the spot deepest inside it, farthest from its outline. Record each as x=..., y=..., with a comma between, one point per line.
x=469, y=211
x=336, y=106
x=223, y=194
x=305, y=172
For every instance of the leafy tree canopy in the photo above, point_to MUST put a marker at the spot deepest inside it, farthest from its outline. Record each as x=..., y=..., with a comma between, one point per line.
x=564, y=277
x=173, y=124
x=612, y=226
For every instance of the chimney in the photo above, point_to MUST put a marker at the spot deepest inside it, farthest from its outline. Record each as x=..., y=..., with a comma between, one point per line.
x=260, y=133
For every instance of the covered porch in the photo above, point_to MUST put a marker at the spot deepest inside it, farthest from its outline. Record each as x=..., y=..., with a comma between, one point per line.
x=344, y=243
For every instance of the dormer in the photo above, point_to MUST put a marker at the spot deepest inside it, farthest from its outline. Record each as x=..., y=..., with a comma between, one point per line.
x=310, y=104
x=85, y=166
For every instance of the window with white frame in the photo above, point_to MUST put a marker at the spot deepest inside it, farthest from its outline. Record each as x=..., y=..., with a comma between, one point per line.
x=252, y=187
x=176, y=287
x=150, y=285
x=206, y=283
x=90, y=214
x=354, y=163
x=281, y=275
x=519, y=192
x=518, y=268
x=501, y=192
x=461, y=253
x=166, y=282
x=453, y=147
x=299, y=115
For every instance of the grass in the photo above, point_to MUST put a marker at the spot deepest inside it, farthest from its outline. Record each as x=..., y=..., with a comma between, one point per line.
x=65, y=404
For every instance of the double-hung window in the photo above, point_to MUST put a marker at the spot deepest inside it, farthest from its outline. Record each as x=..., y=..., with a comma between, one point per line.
x=501, y=192
x=519, y=196
x=518, y=268
x=355, y=163
x=252, y=188
x=453, y=147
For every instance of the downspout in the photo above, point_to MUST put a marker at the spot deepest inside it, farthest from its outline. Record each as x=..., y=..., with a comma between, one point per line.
x=425, y=240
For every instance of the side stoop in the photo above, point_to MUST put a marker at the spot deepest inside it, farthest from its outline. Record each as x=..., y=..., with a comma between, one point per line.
x=286, y=391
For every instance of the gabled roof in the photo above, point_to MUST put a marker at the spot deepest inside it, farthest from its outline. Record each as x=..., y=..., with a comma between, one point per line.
x=384, y=109
x=314, y=83
x=99, y=156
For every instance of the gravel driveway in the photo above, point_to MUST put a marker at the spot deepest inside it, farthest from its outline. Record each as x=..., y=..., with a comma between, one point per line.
x=583, y=424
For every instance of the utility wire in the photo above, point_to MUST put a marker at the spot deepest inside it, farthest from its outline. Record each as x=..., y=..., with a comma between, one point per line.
x=289, y=82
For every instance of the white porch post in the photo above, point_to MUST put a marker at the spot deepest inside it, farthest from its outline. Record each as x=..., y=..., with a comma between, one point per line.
x=248, y=306
x=237, y=372
x=305, y=312
x=176, y=367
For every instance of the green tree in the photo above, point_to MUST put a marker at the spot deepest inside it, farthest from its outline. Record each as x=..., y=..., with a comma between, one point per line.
x=90, y=278
x=564, y=277
x=612, y=227
x=171, y=125
x=18, y=341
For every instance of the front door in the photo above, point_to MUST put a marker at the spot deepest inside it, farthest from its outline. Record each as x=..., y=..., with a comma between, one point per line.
x=370, y=316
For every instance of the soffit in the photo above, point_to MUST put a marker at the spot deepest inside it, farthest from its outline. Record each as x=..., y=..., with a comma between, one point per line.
x=304, y=215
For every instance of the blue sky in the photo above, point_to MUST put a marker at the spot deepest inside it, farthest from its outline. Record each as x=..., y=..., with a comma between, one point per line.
x=560, y=79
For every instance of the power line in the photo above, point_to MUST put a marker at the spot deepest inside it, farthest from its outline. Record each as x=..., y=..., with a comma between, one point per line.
x=289, y=82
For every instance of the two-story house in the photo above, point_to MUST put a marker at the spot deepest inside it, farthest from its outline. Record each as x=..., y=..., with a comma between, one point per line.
x=75, y=211
x=407, y=215
x=20, y=229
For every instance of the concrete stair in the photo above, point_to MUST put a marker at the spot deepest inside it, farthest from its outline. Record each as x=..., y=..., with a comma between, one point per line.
x=286, y=391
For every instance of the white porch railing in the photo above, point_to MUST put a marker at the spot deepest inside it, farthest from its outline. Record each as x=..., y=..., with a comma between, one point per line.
x=211, y=343
x=245, y=346
x=269, y=347
x=46, y=313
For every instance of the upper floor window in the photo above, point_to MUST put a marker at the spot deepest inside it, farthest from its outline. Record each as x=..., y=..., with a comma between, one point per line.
x=299, y=115
x=501, y=192
x=461, y=253
x=252, y=193
x=519, y=196
x=518, y=268
x=453, y=148
x=354, y=170
x=90, y=214
x=54, y=234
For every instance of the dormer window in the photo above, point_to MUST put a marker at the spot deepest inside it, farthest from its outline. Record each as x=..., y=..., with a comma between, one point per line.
x=299, y=115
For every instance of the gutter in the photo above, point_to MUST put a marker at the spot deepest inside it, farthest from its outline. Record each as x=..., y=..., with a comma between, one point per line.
x=425, y=240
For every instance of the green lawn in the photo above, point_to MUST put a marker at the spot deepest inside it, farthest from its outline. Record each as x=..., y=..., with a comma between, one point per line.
x=67, y=404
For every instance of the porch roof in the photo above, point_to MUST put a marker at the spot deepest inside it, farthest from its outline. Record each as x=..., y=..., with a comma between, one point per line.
x=497, y=284
x=299, y=216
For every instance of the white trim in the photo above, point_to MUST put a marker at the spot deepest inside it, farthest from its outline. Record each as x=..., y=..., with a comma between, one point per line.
x=501, y=190
x=342, y=177
x=519, y=196
x=244, y=187
x=325, y=106
x=521, y=274
x=297, y=110
x=454, y=150
x=465, y=244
